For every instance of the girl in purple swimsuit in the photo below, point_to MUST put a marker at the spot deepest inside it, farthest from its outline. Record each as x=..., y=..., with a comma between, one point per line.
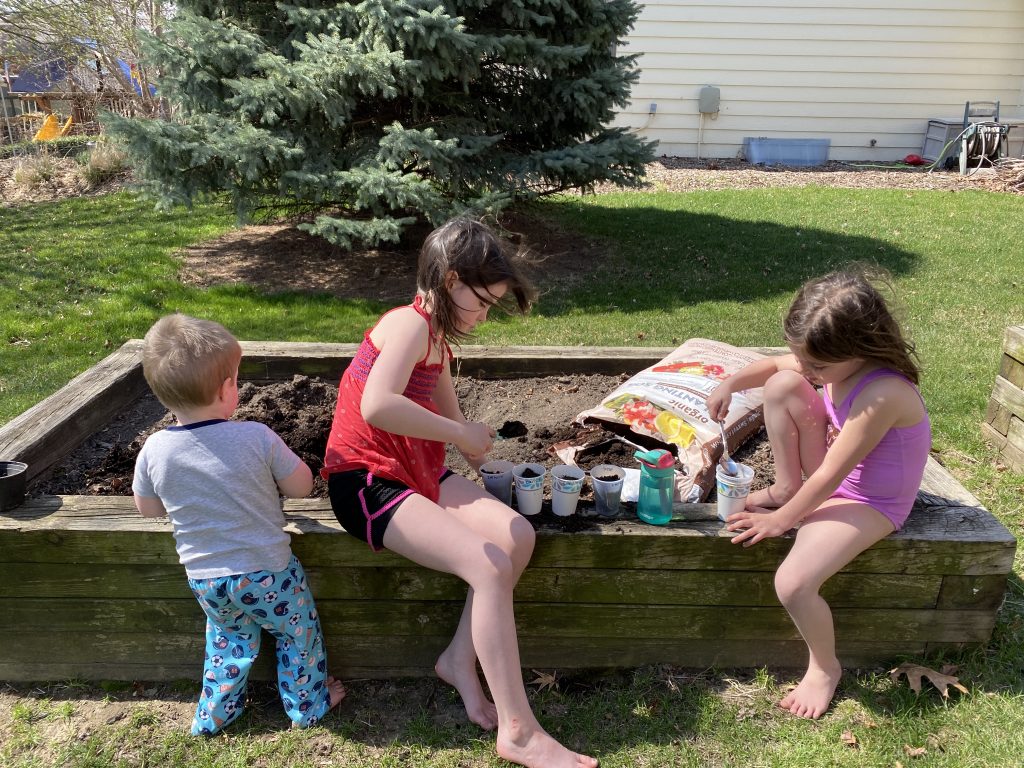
x=861, y=445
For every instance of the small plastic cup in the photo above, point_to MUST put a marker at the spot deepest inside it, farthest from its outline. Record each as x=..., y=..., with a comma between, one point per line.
x=733, y=489
x=566, y=484
x=529, y=489
x=607, y=493
x=497, y=477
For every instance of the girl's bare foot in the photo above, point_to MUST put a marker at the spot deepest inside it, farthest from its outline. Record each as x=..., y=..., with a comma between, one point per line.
x=535, y=748
x=812, y=696
x=479, y=709
x=768, y=498
x=336, y=690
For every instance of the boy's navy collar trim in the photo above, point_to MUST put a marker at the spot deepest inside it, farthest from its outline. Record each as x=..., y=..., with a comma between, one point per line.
x=195, y=425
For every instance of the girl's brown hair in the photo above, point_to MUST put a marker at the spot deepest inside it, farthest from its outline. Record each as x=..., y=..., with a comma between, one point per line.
x=480, y=258
x=842, y=316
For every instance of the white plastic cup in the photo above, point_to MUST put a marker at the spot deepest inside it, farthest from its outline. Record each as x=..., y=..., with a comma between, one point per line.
x=529, y=490
x=566, y=484
x=497, y=477
x=607, y=493
x=733, y=489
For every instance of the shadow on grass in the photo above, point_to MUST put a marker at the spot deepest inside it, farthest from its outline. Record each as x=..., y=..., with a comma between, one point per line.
x=658, y=258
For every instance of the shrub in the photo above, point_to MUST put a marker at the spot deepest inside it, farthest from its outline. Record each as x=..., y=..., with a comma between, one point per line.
x=104, y=162
x=35, y=170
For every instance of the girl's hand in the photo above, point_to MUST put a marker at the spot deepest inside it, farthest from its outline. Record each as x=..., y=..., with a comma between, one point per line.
x=756, y=523
x=718, y=402
x=475, y=440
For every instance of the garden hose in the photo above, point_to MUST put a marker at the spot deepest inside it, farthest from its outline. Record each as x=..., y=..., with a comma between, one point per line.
x=929, y=168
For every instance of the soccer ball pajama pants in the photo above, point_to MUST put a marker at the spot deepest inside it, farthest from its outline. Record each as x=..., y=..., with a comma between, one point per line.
x=236, y=608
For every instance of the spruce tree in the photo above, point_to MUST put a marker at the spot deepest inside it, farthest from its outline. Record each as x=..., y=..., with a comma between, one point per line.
x=366, y=117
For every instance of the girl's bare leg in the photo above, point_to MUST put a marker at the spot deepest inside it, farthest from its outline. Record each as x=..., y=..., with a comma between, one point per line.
x=826, y=541
x=795, y=419
x=435, y=538
x=498, y=523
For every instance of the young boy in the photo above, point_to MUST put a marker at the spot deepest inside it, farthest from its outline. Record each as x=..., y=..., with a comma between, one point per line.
x=220, y=483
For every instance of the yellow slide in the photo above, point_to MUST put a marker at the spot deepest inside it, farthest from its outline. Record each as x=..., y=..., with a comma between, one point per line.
x=51, y=129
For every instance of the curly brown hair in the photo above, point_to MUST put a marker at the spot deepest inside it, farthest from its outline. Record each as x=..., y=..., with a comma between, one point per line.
x=842, y=316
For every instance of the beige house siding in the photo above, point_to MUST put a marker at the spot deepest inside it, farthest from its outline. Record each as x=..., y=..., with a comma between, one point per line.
x=852, y=72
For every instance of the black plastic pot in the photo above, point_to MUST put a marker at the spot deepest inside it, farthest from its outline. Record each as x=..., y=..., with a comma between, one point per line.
x=12, y=484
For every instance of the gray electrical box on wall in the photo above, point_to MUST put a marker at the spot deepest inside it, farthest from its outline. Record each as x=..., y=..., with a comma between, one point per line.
x=708, y=100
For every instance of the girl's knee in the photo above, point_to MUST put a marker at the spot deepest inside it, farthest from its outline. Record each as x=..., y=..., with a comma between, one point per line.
x=524, y=537
x=791, y=586
x=789, y=393
x=491, y=568
x=783, y=384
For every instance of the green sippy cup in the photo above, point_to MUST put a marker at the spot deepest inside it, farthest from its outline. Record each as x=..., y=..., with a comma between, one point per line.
x=654, y=504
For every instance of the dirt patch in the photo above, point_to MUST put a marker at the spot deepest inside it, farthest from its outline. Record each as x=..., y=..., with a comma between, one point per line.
x=532, y=415
x=282, y=258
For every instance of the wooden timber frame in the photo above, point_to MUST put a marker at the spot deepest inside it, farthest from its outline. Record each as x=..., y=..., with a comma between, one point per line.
x=1004, y=420
x=93, y=591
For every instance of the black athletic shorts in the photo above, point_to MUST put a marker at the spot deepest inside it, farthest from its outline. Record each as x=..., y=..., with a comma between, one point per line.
x=365, y=509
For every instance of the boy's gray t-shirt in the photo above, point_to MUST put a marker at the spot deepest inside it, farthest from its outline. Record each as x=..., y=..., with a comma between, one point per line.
x=217, y=481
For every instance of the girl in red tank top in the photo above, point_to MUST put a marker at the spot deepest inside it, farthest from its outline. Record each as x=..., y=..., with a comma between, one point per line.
x=862, y=448
x=384, y=466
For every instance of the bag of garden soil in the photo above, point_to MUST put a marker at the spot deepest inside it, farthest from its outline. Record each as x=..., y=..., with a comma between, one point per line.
x=666, y=406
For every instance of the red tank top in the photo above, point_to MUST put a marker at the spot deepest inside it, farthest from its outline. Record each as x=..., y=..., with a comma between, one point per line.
x=354, y=444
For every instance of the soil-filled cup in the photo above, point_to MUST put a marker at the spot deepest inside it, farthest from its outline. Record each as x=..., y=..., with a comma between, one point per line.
x=12, y=484
x=529, y=482
x=497, y=477
x=733, y=489
x=607, y=480
x=566, y=484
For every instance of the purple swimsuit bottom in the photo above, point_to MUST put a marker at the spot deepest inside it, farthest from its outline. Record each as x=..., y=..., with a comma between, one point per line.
x=888, y=478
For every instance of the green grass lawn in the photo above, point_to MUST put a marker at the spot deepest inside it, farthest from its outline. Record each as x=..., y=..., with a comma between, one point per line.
x=83, y=275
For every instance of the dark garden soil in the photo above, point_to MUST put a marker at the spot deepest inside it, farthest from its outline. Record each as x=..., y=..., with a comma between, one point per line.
x=531, y=416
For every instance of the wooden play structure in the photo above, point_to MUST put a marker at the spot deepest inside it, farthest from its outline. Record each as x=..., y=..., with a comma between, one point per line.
x=94, y=591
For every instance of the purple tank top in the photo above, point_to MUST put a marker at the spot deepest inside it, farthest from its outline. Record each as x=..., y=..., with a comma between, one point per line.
x=888, y=478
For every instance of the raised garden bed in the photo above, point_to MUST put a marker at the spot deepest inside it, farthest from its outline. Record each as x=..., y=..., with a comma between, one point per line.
x=94, y=591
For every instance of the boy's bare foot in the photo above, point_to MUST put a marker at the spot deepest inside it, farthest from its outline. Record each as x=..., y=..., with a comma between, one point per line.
x=812, y=696
x=768, y=498
x=479, y=709
x=336, y=690
x=535, y=748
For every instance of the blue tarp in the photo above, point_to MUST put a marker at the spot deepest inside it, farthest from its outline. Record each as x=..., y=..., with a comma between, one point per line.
x=41, y=77
x=45, y=76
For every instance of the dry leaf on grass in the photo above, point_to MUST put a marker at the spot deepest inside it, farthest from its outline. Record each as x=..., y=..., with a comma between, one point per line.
x=915, y=672
x=545, y=680
x=914, y=751
x=849, y=739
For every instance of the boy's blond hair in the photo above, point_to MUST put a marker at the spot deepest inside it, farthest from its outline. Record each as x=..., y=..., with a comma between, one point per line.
x=185, y=360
